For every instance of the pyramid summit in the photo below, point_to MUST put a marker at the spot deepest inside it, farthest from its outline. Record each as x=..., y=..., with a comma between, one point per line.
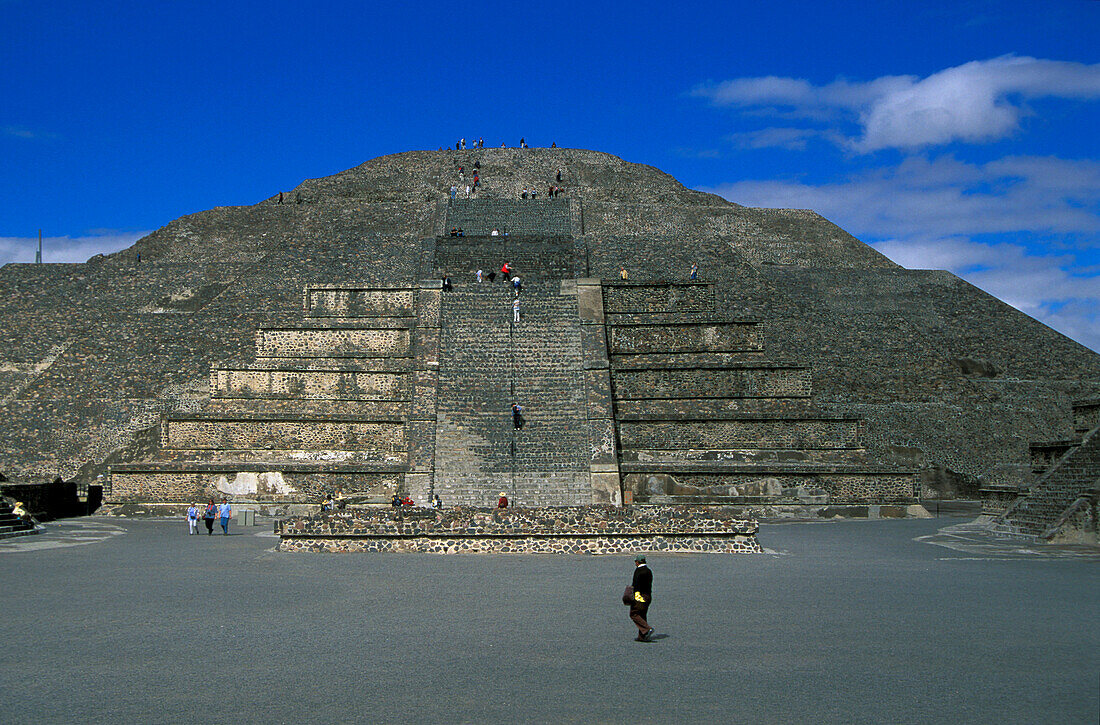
x=280, y=351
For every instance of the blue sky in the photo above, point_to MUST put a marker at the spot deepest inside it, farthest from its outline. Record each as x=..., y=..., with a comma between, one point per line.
x=956, y=135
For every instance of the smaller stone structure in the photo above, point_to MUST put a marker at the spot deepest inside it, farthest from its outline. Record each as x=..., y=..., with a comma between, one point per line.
x=559, y=530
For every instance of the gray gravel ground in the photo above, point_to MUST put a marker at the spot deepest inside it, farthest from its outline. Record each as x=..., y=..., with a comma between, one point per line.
x=847, y=622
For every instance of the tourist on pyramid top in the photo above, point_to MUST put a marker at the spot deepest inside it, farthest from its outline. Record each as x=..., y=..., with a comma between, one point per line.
x=502, y=145
x=481, y=143
x=553, y=144
x=523, y=143
x=502, y=502
x=463, y=142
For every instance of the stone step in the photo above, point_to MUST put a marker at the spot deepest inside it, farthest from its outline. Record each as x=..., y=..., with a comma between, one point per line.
x=725, y=336
x=741, y=431
x=704, y=459
x=385, y=437
x=297, y=482
x=745, y=380
x=311, y=384
x=771, y=484
x=297, y=409
x=708, y=408
x=310, y=342
x=355, y=301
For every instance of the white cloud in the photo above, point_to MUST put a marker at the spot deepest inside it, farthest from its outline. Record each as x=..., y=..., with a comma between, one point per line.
x=923, y=214
x=974, y=102
x=66, y=249
x=945, y=197
x=787, y=138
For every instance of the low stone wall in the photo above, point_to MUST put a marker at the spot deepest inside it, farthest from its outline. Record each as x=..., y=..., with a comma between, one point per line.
x=562, y=530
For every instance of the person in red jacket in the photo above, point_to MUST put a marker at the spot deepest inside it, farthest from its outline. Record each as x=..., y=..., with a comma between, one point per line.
x=506, y=271
x=502, y=502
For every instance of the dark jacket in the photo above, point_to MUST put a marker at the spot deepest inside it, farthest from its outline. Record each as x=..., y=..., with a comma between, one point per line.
x=643, y=581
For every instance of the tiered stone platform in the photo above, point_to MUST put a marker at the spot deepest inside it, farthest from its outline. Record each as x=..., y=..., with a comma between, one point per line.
x=558, y=530
x=802, y=367
x=344, y=401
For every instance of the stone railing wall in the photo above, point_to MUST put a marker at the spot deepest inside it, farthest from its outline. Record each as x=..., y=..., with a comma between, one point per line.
x=582, y=530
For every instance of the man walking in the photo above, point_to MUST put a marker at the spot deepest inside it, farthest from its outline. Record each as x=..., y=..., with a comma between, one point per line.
x=225, y=512
x=643, y=593
x=515, y=311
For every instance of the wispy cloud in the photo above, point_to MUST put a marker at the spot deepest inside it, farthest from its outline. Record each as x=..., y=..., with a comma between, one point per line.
x=23, y=132
x=975, y=102
x=66, y=249
x=794, y=139
x=926, y=214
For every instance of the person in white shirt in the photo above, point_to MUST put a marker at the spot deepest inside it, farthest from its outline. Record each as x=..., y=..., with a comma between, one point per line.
x=192, y=520
x=479, y=275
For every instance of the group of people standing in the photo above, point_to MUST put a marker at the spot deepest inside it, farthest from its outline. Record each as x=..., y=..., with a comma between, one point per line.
x=213, y=512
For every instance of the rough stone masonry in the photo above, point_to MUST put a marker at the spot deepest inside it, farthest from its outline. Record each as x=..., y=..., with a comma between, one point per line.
x=276, y=353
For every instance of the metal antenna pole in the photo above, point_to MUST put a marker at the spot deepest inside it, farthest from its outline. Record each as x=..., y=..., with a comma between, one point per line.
x=38, y=256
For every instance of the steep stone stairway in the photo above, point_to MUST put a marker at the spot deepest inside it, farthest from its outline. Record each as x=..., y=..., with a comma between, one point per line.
x=488, y=364
x=1065, y=496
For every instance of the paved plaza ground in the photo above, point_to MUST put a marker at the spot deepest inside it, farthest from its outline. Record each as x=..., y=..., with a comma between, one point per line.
x=854, y=621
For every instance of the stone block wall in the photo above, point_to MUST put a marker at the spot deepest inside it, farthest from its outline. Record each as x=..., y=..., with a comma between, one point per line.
x=267, y=484
x=330, y=342
x=739, y=382
x=583, y=530
x=676, y=338
x=385, y=439
x=748, y=433
x=311, y=384
x=345, y=301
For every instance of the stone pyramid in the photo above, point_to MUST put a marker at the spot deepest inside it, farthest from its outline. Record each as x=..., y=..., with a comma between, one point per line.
x=280, y=351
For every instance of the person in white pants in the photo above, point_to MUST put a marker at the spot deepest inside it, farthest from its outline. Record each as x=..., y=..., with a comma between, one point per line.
x=515, y=310
x=192, y=520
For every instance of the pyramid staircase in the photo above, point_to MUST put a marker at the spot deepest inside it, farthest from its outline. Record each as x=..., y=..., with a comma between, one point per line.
x=642, y=392
x=1063, y=502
